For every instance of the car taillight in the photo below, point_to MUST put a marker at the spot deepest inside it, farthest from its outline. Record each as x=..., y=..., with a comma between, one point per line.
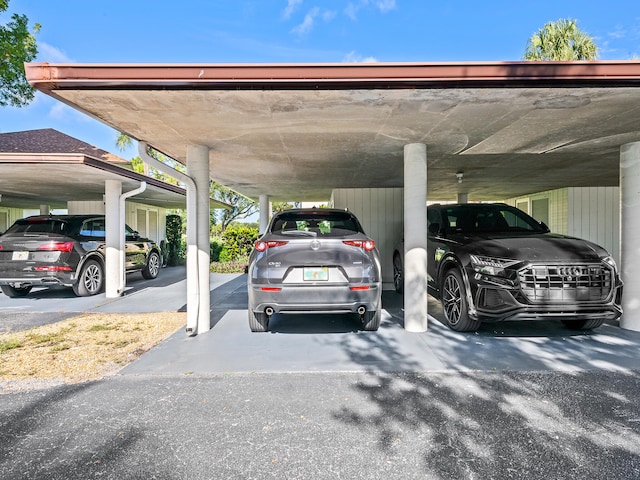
x=262, y=246
x=57, y=247
x=367, y=245
x=53, y=268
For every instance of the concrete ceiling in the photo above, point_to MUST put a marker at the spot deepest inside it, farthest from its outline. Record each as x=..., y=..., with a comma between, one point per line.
x=297, y=132
x=28, y=181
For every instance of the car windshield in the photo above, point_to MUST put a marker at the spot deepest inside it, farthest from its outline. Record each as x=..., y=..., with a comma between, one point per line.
x=315, y=223
x=488, y=218
x=38, y=226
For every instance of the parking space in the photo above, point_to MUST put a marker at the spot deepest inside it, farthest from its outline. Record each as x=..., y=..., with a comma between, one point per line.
x=329, y=343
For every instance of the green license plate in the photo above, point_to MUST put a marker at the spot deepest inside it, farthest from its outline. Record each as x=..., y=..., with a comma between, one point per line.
x=316, y=274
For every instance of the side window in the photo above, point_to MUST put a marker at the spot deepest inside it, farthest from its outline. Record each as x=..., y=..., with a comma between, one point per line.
x=433, y=218
x=93, y=228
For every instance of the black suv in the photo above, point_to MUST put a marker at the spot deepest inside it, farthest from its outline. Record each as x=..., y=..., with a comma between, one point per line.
x=66, y=250
x=489, y=262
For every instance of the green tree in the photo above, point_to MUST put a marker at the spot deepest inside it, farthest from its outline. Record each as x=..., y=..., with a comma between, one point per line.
x=17, y=45
x=561, y=40
x=242, y=207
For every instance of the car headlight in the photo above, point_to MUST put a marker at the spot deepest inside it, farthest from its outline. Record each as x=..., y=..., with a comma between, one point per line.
x=611, y=262
x=490, y=265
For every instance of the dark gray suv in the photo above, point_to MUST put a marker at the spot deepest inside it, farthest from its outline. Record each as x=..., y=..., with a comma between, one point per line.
x=66, y=250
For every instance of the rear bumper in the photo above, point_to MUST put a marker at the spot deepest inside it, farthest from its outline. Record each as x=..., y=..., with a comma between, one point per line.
x=314, y=298
x=57, y=278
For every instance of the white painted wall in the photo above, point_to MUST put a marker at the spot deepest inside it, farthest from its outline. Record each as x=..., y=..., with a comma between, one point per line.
x=154, y=218
x=380, y=211
x=8, y=216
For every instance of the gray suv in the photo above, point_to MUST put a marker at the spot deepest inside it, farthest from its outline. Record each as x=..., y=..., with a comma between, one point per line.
x=66, y=250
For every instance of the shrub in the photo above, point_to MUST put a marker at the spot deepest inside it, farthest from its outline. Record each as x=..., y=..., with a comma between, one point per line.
x=175, y=247
x=238, y=242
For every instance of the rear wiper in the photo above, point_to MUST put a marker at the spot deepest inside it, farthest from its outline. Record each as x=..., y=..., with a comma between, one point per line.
x=301, y=233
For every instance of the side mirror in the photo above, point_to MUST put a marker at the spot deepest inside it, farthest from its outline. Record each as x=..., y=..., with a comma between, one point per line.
x=544, y=226
x=434, y=228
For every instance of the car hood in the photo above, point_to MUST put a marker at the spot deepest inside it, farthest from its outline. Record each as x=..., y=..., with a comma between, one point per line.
x=540, y=247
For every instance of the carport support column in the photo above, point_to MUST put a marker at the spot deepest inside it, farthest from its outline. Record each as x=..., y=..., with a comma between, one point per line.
x=113, y=269
x=630, y=222
x=265, y=212
x=198, y=170
x=415, y=237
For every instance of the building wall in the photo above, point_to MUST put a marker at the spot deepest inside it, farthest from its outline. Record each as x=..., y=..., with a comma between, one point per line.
x=147, y=220
x=381, y=213
x=8, y=216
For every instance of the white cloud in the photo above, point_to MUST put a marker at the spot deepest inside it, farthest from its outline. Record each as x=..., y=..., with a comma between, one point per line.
x=292, y=5
x=353, y=57
x=49, y=53
x=307, y=24
x=352, y=8
x=63, y=113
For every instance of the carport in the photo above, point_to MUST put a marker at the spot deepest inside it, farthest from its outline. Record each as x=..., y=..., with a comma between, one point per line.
x=46, y=169
x=285, y=132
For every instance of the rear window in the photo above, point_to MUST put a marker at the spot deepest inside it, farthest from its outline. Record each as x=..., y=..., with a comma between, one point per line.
x=38, y=227
x=322, y=223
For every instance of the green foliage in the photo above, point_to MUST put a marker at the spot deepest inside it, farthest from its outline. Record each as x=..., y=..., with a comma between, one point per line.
x=17, y=46
x=9, y=345
x=175, y=248
x=216, y=245
x=238, y=241
x=561, y=40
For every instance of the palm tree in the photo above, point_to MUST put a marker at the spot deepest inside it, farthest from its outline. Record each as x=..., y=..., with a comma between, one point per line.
x=561, y=40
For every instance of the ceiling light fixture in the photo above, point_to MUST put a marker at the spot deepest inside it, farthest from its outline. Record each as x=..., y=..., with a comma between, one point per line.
x=459, y=176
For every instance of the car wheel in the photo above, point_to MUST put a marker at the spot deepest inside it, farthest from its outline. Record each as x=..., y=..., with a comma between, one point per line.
x=258, y=322
x=371, y=320
x=583, y=324
x=152, y=268
x=15, y=292
x=454, y=303
x=90, y=280
x=398, y=274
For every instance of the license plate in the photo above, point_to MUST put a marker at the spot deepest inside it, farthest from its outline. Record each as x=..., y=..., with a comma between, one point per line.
x=316, y=274
x=20, y=256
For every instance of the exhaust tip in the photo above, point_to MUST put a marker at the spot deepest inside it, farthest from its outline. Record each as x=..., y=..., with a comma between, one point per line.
x=361, y=310
x=268, y=311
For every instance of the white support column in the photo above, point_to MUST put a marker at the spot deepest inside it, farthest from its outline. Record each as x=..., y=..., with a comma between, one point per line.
x=44, y=209
x=630, y=223
x=264, y=206
x=415, y=237
x=463, y=198
x=198, y=170
x=112, y=192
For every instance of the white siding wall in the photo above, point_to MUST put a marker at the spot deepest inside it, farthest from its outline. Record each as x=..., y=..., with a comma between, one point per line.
x=154, y=230
x=8, y=216
x=594, y=214
x=380, y=211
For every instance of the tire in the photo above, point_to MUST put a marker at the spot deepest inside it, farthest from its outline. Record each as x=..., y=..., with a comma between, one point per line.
x=583, y=324
x=258, y=322
x=90, y=280
x=371, y=320
x=15, y=292
x=454, y=303
x=152, y=268
x=398, y=273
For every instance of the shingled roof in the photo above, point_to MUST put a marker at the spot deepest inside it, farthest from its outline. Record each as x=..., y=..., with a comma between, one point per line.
x=49, y=140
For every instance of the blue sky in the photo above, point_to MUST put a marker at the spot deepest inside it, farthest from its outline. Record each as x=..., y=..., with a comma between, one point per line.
x=294, y=31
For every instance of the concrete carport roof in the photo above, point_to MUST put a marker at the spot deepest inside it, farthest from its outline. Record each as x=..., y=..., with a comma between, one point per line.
x=296, y=132
x=47, y=167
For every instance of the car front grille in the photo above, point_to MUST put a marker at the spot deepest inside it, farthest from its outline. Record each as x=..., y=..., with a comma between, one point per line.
x=566, y=283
